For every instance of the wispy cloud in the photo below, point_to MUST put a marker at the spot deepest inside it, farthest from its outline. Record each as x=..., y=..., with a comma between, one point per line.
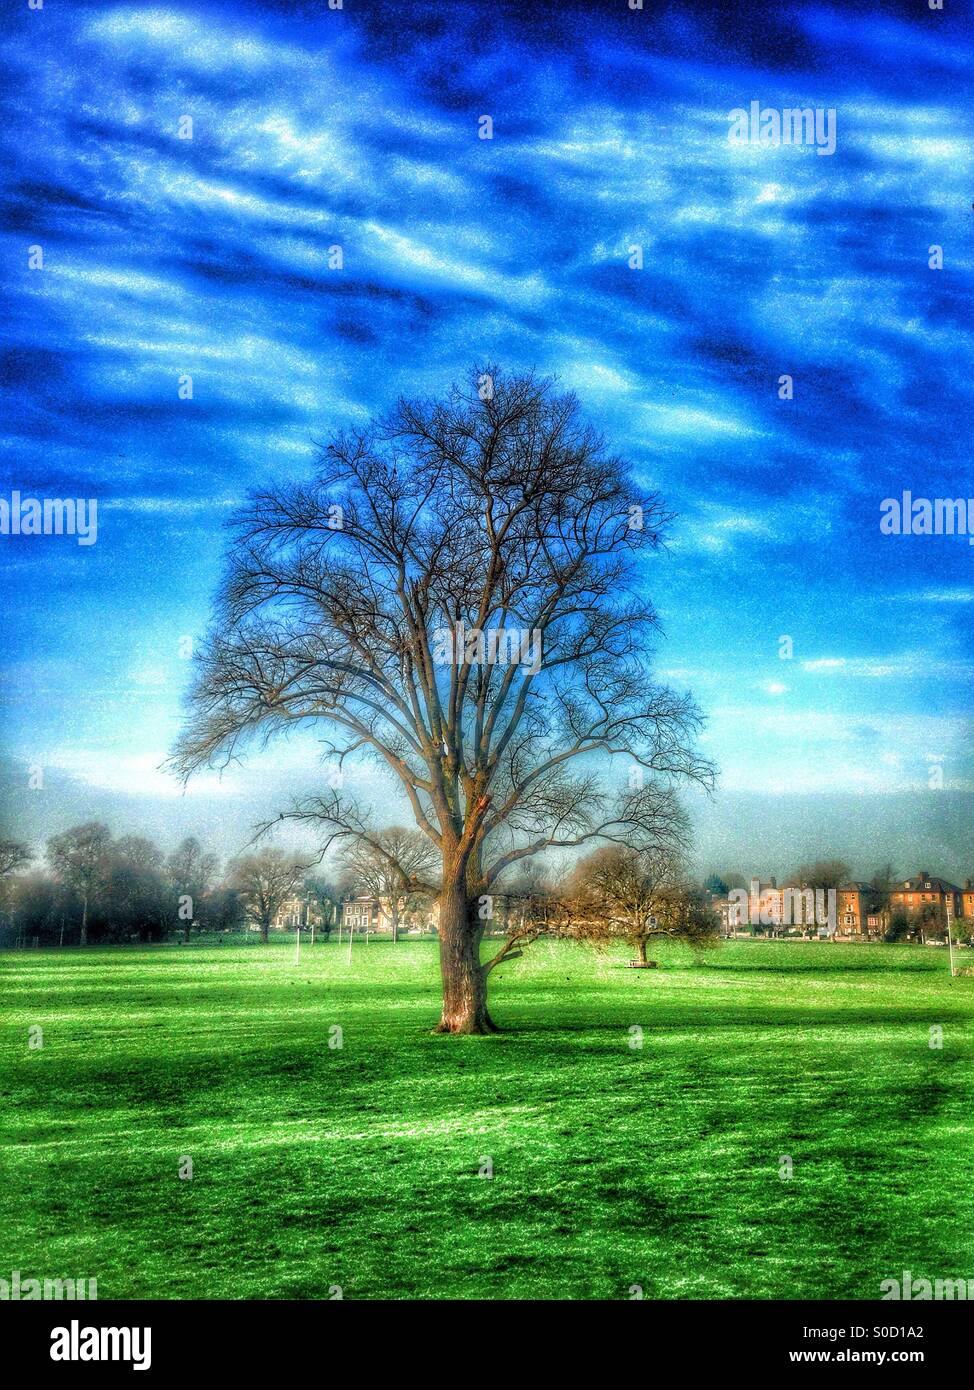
x=211, y=258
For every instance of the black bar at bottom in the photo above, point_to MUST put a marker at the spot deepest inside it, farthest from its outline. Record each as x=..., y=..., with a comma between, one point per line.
x=249, y=1337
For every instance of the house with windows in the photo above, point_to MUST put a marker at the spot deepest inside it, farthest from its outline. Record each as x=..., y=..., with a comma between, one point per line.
x=858, y=910
x=862, y=912
x=798, y=909
x=767, y=902
x=925, y=893
x=501, y=913
x=363, y=913
x=299, y=910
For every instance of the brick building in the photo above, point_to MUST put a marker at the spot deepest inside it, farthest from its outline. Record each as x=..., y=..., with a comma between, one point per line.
x=925, y=890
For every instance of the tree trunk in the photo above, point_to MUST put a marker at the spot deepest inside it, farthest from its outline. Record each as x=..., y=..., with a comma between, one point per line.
x=84, y=922
x=395, y=922
x=186, y=931
x=641, y=948
x=464, y=981
x=265, y=928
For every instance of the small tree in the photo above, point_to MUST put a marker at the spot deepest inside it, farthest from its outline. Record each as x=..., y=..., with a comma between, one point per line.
x=883, y=881
x=638, y=896
x=524, y=895
x=79, y=858
x=190, y=872
x=731, y=879
x=14, y=856
x=616, y=894
x=823, y=873
x=898, y=925
x=620, y=890
x=132, y=899
x=327, y=897
x=265, y=881
x=392, y=866
x=223, y=910
x=36, y=906
x=930, y=919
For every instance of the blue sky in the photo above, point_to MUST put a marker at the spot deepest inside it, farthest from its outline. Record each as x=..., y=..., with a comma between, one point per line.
x=359, y=128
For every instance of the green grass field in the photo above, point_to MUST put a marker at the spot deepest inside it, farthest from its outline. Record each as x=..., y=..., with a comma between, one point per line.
x=359, y=1166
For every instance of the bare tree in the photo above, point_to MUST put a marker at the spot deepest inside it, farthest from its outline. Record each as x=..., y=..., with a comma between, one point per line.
x=137, y=849
x=629, y=894
x=326, y=896
x=14, y=856
x=191, y=872
x=265, y=881
x=615, y=894
x=393, y=866
x=133, y=898
x=78, y=857
x=460, y=592
x=883, y=881
x=824, y=873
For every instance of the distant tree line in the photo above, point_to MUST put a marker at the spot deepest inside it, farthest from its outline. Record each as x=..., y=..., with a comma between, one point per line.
x=97, y=887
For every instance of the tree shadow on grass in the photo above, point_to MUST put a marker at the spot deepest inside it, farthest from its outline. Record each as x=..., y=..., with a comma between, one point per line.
x=679, y=1017
x=817, y=968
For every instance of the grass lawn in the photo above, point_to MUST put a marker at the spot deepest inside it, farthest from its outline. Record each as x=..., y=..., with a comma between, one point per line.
x=359, y=1166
